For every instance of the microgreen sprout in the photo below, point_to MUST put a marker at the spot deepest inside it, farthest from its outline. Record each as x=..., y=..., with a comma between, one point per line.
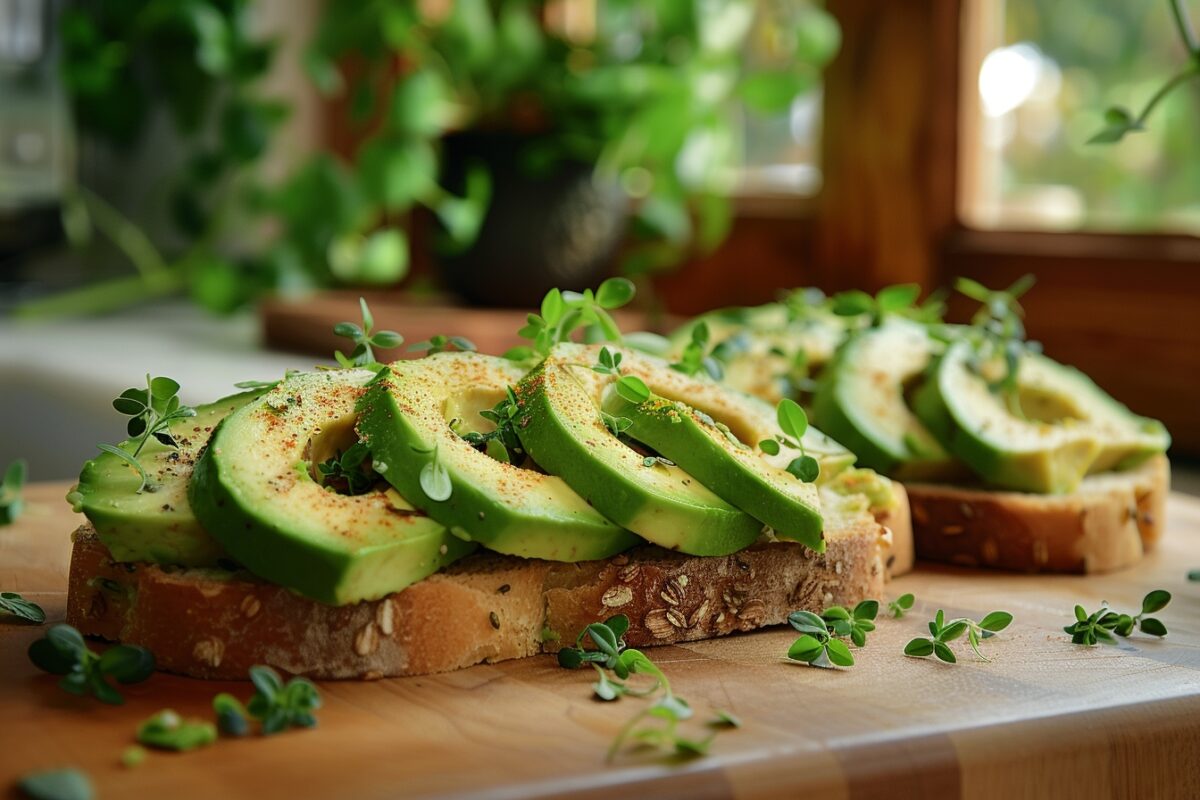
x=997, y=336
x=166, y=730
x=633, y=389
x=943, y=632
x=818, y=645
x=855, y=623
x=898, y=299
x=1099, y=626
x=657, y=725
x=349, y=472
x=435, y=478
x=12, y=604
x=151, y=411
x=900, y=606
x=695, y=355
x=563, y=313
x=365, y=341
x=502, y=442
x=279, y=706
x=62, y=651
x=608, y=362
x=793, y=422
x=11, y=502
x=442, y=344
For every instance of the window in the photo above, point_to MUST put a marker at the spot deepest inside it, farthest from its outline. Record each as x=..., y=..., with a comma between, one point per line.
x=1038, y=75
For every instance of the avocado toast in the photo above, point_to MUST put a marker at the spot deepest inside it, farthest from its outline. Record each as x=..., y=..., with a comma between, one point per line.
x=1010, y=459
x=382, y=520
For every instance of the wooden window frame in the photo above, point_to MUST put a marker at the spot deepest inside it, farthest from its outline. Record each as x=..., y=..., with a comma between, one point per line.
x=1124, y=308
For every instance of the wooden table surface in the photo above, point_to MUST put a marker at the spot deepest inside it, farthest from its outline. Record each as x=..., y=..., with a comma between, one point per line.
x=1043, y=718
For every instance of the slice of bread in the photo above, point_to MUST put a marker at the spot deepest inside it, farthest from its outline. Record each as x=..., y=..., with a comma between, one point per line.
x=1108, y=523
x=211, y=623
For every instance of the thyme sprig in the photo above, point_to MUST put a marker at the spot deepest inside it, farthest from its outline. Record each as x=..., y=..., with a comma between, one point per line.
x=696, y=356
x=997, y=337
x=349, y=472
x=1100, y=626
x=656, y=725
x=563, y=313
x=365, y=340
x=944, y=631
x=793, y=422
x=151, y=411
x=502, y=442
x=62, y=651
x=901, y=605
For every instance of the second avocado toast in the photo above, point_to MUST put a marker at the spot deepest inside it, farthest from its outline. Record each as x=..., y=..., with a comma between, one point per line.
x=431, y=514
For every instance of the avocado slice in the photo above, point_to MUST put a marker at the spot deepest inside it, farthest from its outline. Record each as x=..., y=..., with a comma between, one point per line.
x=561, y=427
x=1028, y=455
x=253, y=489
x=406, y=419
x=713, y=436
x=860, y=402
x=1052, y=392
x=156, y=524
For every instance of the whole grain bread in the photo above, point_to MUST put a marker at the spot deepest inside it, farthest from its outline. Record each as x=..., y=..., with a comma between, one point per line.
x=1108, y=523
x=211, y=623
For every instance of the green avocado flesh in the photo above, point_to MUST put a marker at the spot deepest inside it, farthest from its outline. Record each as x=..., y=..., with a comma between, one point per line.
x=760, y=347
x=1071, y=427
x=156, y=524
x=709, y=437
x=253, y=490
x=861, y=403
x=405, y=418
x=561, y=428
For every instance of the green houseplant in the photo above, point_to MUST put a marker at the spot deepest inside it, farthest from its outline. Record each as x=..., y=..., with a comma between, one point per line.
x=493, y=116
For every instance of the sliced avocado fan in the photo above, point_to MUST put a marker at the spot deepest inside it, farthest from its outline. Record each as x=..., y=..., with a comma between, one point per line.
x=1070, y=426
x=712, y=432
x=254, y=490
x=861, y=403
x=157, y=523
x=409, y=419
x=562, y=427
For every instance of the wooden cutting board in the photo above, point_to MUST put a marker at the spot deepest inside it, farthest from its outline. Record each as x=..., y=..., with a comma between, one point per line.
x=1043, y=718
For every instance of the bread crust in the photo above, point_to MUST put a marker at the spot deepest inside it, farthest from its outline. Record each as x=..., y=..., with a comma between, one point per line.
x=486, y=608
x=1109, y=523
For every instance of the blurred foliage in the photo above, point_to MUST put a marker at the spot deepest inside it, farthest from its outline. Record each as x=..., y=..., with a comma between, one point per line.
x=1113, y=55
x=649, y=91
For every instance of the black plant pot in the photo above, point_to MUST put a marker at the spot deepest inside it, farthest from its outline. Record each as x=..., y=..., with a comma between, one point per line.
x=561, y=229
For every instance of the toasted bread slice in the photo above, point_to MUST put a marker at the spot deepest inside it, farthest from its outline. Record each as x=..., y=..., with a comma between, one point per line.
x=1108, y=523
x=211, y=623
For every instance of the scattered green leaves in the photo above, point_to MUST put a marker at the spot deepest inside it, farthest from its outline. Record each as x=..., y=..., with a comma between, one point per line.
x=349, y=473
x=900, y=606
x=62, y=651
x=68, y=783
x=997, y=336
x=943, y=632
x=151, y=411
x=502, y=442
x=231, y=715
x=279, y=706
x=166, y=730
x=793, y=422
x=365, y=340
x=891, y=300
x=855, y=623
x=1100, y=626
x=817, y=645
x=563, y=313
x=695, y=355
x=11, y=502
x=12, y=604
x=608, y=362
x=443, y=344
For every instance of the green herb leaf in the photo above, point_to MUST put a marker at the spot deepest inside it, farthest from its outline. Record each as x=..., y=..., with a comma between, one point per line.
x=11, y=502
x=231, y=715
x=435, y=480
x=68, y=783
x=919, y=647
x=166, y=730
x=996, y=621
x=127, y=663
x=769, y=446
x=943, y=652
x=1152, y=626
x=14, y=605
x=614, y=293
x=792, y=419
x=633, y=389
x=807, y=648
x=806, y=468
x=901, y=605
x=1155, y=601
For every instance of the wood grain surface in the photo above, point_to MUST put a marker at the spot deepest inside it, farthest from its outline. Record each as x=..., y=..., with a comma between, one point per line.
x=1043, y=718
